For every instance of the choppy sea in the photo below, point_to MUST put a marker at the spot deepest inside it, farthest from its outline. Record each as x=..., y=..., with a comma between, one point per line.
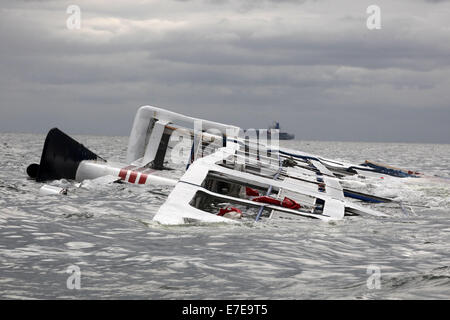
x=107, y=233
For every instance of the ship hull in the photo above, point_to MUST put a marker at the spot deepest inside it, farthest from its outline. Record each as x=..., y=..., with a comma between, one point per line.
x=286, y=136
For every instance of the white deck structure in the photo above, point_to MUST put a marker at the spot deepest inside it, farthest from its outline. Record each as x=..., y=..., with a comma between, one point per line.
x=219, y=176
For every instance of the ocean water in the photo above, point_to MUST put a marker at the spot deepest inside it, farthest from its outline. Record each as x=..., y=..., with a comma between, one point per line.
x=108, y=233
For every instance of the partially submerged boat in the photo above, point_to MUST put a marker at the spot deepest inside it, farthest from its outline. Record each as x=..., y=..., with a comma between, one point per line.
x=230, y=175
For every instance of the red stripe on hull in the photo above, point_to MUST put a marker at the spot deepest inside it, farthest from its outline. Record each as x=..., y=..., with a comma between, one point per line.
x=123, y=174
x=133, y=176
x=142, y=179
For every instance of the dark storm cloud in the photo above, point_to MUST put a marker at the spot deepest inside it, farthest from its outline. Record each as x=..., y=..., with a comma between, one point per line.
x=313, y=65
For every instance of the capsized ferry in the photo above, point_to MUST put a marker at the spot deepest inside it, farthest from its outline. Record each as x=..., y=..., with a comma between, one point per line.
x=229, y=175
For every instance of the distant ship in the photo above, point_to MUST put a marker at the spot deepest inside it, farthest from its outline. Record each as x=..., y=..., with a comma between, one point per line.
x=282, y=135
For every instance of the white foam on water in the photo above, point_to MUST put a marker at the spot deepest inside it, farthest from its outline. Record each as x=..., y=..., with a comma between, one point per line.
x=79, y=245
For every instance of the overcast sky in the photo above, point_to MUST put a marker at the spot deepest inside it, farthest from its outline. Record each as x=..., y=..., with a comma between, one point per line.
x=312, y=65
